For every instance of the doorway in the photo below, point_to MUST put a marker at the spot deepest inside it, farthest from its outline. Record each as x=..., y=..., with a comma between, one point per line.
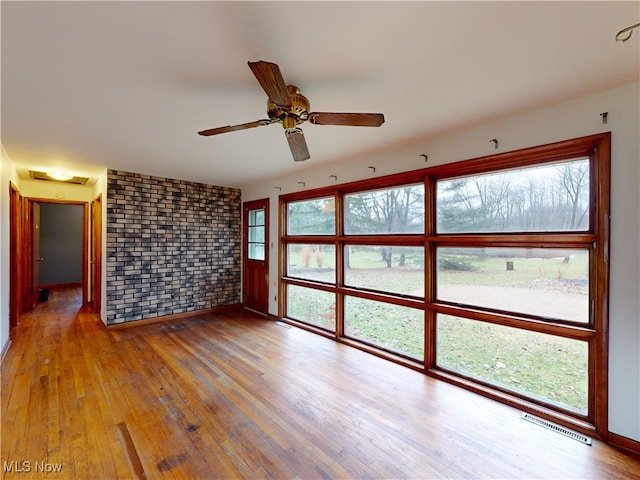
x=255, y=256
x=56, y=248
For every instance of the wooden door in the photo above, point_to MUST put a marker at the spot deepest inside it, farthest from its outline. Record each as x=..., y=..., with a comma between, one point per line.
x=96, y=254
x=35, y=253
x=255, y=257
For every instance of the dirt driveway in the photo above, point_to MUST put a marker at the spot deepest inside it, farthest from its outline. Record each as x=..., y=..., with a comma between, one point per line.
x=564, y=305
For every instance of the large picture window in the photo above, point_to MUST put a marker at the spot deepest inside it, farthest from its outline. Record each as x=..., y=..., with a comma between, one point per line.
x=489, y=273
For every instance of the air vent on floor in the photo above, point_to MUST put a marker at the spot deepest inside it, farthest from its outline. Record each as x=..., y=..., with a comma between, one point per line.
x=557, y=428
x=282, y=324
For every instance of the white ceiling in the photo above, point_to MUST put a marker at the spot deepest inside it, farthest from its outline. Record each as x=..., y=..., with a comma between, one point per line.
x=126, y=85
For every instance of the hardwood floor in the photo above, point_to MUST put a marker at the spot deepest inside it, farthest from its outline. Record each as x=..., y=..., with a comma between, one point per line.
x=232, y=395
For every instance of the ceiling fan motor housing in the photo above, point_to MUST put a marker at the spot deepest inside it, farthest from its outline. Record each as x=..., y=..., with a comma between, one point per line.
x=297, y=113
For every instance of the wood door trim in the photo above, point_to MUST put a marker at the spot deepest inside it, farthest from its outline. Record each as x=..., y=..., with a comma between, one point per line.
x=15, y=256
x=246, y=207
x=96, y=254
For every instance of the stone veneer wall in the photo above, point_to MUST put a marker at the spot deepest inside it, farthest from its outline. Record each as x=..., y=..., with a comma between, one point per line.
x=172, y=246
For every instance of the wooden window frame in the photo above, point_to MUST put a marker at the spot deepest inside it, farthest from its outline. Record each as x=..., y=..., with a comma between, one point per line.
x=595, y=147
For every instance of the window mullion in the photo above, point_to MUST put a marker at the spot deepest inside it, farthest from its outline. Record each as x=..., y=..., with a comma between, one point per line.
x=431, y=265
x=340, y=260
x=578, y=332
x=567, y=240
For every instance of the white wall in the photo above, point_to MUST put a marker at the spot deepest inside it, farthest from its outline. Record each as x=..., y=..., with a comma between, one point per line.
x=7, y=174
x=4, y=251
x=561, y=122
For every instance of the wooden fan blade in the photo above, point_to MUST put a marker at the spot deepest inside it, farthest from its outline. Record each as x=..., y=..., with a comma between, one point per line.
x=233, y=128
x=297, y=144
x=271, y=81
x=350, y=119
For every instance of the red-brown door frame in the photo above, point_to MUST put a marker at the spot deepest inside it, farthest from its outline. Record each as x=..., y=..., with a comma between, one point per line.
x=255, y=273
x=16, y=306
x=96, y=254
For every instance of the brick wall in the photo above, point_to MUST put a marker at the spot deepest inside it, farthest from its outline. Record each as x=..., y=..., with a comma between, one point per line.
x=172, y=246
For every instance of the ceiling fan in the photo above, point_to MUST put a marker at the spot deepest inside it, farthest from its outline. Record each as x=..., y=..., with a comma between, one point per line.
x=286, y=105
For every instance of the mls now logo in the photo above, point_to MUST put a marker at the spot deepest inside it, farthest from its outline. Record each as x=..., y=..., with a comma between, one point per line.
x=27, y=466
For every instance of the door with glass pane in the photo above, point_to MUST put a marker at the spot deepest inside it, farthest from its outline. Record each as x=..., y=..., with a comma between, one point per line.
x=255, y=270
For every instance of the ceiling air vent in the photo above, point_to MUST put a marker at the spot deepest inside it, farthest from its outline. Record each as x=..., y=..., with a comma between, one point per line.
x=44, y=176
x=557, y=428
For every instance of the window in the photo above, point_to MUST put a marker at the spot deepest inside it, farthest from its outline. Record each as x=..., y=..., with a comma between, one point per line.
x=256, y=232
x=388, y=211
x=385, y=268
x=311, y=217
x=312, y=306
x=391, y=327
x=312, y=262
x=549, y=368
x=546, y=283
x=489, y=273
x=547, y=198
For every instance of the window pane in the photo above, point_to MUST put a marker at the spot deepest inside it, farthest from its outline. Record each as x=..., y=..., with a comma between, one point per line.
x=256, y=251
x=546, y=367
x=551, y=283
x=312, y=306
x=392, y=210
x=392, y=327
x=256, y=234
x=312, y=262
x=385, y=268
x=256, y=217
x=312, y=217
x=551, y=197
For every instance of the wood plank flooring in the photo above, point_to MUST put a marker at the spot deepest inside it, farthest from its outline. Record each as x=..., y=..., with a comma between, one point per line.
x=232, y=395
